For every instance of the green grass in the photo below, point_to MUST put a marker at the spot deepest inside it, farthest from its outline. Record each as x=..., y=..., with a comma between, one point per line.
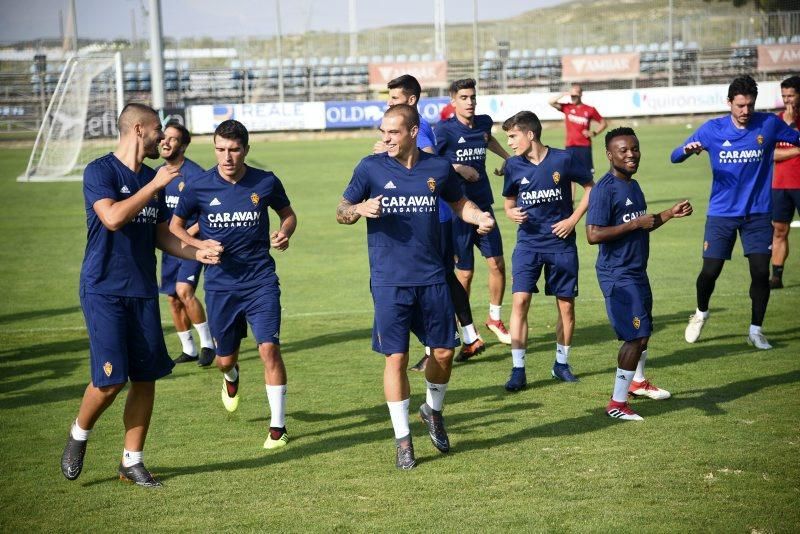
x=720, y=456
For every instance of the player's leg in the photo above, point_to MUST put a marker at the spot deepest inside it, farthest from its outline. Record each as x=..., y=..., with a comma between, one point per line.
x=561, y=276
x=397, y=391
x=756, y=235
x=565, y=326
x=185, y=286
x=226, y=313
x=183, y=328
x=640, y=386
x=471, y=339
x=491, y=247
x=784, y=204
x=520, y=304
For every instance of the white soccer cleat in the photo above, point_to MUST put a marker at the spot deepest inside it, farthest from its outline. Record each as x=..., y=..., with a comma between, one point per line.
x=621, y=410
x=693, y=329
x=759, y=341
x=646, y=389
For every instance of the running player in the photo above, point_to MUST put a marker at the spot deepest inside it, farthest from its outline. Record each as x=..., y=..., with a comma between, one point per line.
x=231, y=202
x=618, y=221
x=538, y=197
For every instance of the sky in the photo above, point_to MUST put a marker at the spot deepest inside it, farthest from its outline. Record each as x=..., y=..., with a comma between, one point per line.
x=110, y=19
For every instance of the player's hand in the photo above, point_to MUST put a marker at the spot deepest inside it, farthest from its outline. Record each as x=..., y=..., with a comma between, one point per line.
x=502, y=170
x=682, y=209
x=370, y=208
x=468, y=173
x=210, y=252
x=646, y=221
x=586, y=133
x=165, y=175
x=563, y=228
x=379, y=147
x=517, y=215
x=485, y=223
x=695, y=147
x=278, y=240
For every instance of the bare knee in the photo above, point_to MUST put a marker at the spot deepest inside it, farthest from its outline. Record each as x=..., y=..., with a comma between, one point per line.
x=185, y=292
x=496, y=264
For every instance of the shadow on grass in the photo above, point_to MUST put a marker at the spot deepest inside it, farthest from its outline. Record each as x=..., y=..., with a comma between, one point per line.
x=37, y=314
x=326, y=340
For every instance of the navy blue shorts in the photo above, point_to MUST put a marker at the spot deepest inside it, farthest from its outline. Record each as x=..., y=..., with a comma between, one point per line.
x=427, y=311
x=125, y=339
x=465, y=236
x=720, y=235
x=560, y=272
x=448, y=254
x=630, y=310
x=230, y=311
x=785, y=202
x=175, y=270
x=583, y=155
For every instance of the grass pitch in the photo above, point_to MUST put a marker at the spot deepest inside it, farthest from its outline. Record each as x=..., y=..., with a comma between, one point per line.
x=720, y=456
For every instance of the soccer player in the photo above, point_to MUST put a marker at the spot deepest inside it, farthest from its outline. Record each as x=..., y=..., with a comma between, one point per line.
x=538, y=197
x=740, y=148
x=397, y=192
x=405, y=89
x=618, y=221
x=786, y=182
x=231, y=202
x=463, y=139
x=578, y=118
x=126, y=219
x=179, y=277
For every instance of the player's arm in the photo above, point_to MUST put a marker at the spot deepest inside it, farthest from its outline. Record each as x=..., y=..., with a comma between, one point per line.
x=495, y=146
x=782, y=154
x=565, y=227
x=680, y=209
x=468, y=173
x=602, y=124
x=554, y=102
x=470, y=213
x=349, y=213
x=513, y=212
x=279, y=239
x=209, y=251
x=114, y=214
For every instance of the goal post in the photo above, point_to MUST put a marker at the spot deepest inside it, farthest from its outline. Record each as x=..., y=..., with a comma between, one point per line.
x=79, y=124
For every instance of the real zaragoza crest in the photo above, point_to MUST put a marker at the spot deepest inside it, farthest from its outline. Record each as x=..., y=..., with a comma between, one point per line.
x=556, y=177
x=432, y=184
x=254, y=198
x=636, y=323
x=181, y=186
x=760, y=139
x=107, y=368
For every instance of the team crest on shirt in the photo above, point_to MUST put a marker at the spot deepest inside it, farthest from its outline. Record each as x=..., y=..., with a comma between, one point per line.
x=760, y=139
x=431, y=184
x=705, y=245
x=107, y=368
x=636, y=323
x=556, y=177
x=181, y=186
x=254, y=198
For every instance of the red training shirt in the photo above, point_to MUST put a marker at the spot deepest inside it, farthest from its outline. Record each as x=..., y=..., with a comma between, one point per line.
x=577, y=119
x=787, y=172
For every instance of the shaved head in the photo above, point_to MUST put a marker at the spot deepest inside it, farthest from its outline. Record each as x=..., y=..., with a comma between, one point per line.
x=409, y=113
x=135, y=113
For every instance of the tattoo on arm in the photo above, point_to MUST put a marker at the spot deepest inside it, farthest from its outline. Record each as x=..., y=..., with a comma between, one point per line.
x=346, y=213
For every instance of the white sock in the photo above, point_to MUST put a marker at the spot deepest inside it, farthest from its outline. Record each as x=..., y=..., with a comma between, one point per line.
x=494, y=311
x=435, y=395
x=621, y=384
x=79, y=433
x=518, y=357
x=187, y=343
x=205, y=335
x=276, y=396
x=562, y=353
x=704, y=314
x=754, y=329
x=469, y=334
x=232, y=375
x=398, y=411
x=130, y=458
x=639, y=376
x=427, y=351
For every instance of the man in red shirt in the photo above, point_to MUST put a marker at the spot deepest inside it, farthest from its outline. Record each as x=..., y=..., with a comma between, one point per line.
x=578, y=118
x=785, y=182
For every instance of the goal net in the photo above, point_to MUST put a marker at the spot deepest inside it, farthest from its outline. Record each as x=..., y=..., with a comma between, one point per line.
x=80, y=122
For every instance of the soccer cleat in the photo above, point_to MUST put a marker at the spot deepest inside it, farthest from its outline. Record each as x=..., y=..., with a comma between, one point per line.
x=278, y=437
x=469, y=350
x=693, y=329
x=139, y=475
x=405, y=453
x=72, y=457
x=646, y=389
x=621, y=410
x=206, y=357
x=758, y=341
x=230, y=393
x=435, y=422
x=499, y=330
x=420, y=365
x=775, y=283
x=563, y=372
x=517, y=381
x=185, y=358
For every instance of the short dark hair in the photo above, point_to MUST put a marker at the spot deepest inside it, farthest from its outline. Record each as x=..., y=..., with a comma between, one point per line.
x=464, y=83
x=186, y=137
x=792, y=82
x=618, y=132
x=233, y=130
x=743, y=85
x=526, y=121
x=409, y=113
x=408, y=84
x=132, y=113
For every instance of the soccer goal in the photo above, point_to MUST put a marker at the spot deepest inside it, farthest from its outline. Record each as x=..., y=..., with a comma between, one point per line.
x=80, y=122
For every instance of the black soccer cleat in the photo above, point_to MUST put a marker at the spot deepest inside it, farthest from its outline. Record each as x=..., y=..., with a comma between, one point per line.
x=206, y=357
x=139, y=475
x=405, y=453
x=185, y=358
x=420, y=365
x=435, y=422
x=72, y=457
